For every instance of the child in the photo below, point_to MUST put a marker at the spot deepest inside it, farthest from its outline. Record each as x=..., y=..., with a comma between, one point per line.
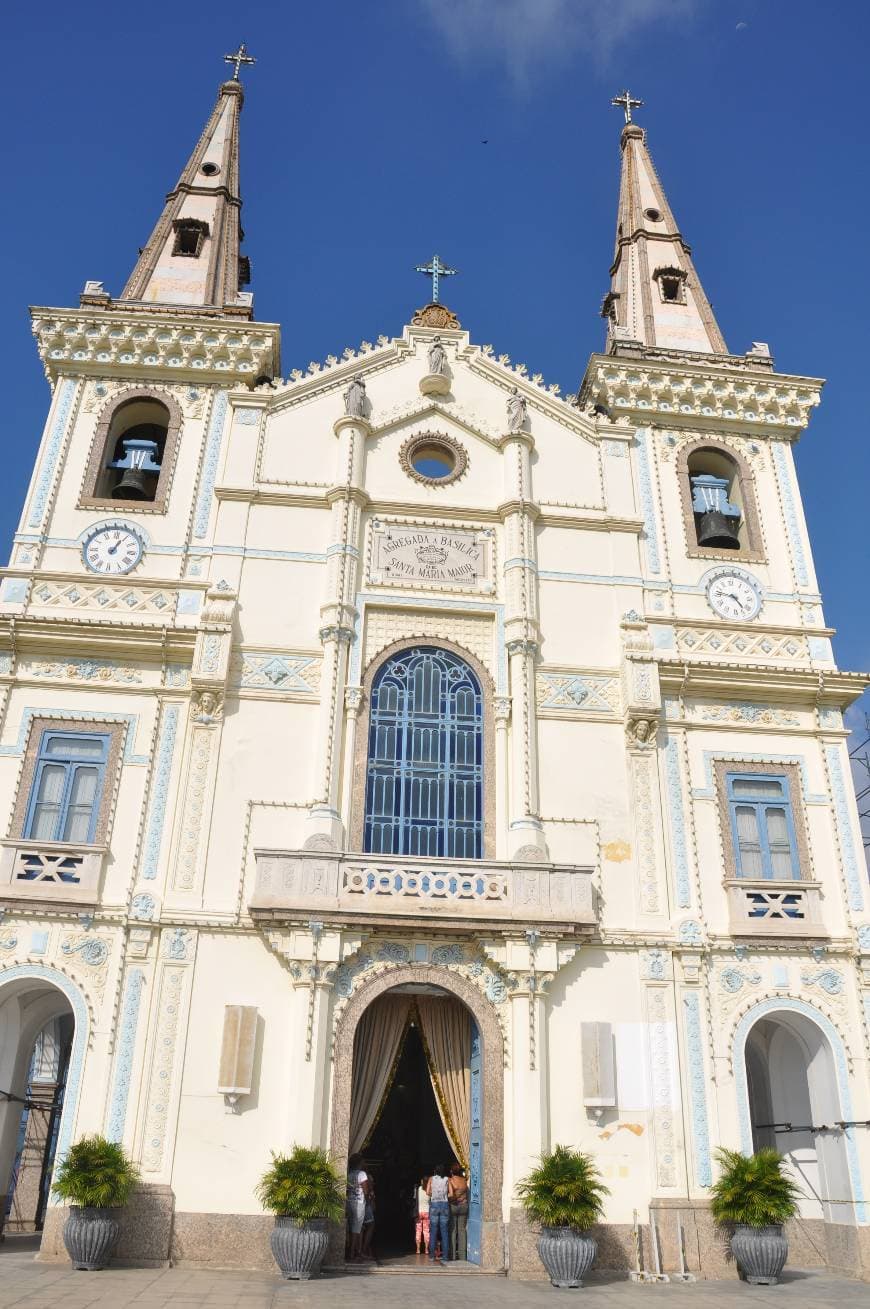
x=422, y=1228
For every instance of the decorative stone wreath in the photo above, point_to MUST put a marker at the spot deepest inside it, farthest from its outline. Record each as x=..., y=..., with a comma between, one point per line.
x=415, y=443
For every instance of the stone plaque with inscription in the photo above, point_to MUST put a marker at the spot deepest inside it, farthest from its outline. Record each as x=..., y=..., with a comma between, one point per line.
x=411, y=554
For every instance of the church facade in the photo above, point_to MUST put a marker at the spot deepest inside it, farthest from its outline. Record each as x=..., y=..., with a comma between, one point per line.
x=407, y=695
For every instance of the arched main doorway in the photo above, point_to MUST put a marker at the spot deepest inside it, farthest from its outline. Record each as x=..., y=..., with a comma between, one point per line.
x=418, y=1081
x=38, y=1040
x=796, y=1095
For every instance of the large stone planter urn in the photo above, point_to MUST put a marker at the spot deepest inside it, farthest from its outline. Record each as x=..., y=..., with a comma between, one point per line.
x=567, y=1254
x=760, y=1252
x=299, y=1247
x=90, y=1236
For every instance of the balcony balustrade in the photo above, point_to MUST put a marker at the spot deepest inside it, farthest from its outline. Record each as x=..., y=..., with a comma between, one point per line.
x=358, y=888
x=768, y=908
x=50, y=871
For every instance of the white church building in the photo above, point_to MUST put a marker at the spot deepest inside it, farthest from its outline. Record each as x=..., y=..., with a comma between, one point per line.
x=403, y=757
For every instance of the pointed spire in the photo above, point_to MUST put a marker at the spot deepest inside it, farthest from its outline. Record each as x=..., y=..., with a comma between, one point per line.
x=655, y=296
x=192, y=257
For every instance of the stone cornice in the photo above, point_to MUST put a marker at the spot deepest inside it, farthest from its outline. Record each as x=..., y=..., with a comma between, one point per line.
x=713, y=393
x=833, y=689
x=65, y=637
x=169, y=346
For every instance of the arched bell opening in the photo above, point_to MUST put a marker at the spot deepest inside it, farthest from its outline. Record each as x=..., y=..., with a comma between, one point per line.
x=717, y=500
x=37, y=1041
x=417, y=1082
x=795, y=1106
x=135, y=449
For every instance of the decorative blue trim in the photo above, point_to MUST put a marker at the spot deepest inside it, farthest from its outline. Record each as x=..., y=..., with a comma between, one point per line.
x=189, y=602
x=52, y=452
x=127, y=1024
x=678, y=822
x=80, y=1042
x=738, y=1067
x=698, y=1089
x=708, y=792
x=131, y=721
x=820, y=648
x=13, y=590
x=209, y=464
x=596, y=579
x=647, y=503
x=158, y=803
x=520, y=561
x=841, y=810
x=791, y=519
x=662, y=638
x=340, y=549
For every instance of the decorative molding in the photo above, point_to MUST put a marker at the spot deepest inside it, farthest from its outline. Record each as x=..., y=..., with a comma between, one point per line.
x=413, y=443
x=54, y=444
x=759, y=715
x=91, y=950
x=178, y=944
x=661, y=1071
x=159, y=799
x=722, y=642
x=651, y=531
x=854, y=878
x=127, y=1024
x=577, y=693
x=827, y=979
x=674, y=780
x=795, y=538
x=209, y=465
x=165, y=344
x=692, y=392
x=161, y=1078
x=732, y=979
x=273, y=672
x=82, y=670
x=99, y=596
x=697, y=1088
x=143, y=907
x=194, y=806
x=642, y=774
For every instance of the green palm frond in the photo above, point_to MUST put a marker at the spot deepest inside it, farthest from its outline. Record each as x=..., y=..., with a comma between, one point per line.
x=95, y=1173
x=302, y=1185
x=753, y=1189
x=565, y=1190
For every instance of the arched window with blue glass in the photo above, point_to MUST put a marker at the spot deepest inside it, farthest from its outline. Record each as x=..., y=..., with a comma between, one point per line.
x=424, y=778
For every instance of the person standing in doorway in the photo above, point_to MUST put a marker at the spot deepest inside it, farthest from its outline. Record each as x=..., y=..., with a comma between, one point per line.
x=357, y=1196
x=457, y=1195
x=368, y=1228
x=421, y=1230
x=439, y=1214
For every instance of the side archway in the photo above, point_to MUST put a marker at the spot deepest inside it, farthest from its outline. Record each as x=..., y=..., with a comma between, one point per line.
x=814, y=1077
x=492, y=1246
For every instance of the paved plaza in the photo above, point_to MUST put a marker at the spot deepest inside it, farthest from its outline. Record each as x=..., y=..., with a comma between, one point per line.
x=25, y=1284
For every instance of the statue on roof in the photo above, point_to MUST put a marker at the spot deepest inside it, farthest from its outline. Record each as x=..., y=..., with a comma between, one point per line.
x=437, y=358
x=355, y=398
x=516, y=411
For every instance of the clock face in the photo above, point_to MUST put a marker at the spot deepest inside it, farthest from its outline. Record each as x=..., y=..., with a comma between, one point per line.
x=114, y=549
x=734, y=596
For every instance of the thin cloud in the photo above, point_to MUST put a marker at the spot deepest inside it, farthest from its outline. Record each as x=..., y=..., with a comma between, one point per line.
x=526, y=36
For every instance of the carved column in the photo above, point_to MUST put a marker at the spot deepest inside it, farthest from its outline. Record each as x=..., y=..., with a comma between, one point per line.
x=642, y=710
x=502, y=711
x=338, y=618
x=522, y=637
x=211, y=662
x=532, y=963
x=164, y=1064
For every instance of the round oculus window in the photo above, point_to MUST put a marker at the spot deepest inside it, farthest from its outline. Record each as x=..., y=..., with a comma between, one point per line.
x=210, y=170
x=433, y=458
x=654, y=215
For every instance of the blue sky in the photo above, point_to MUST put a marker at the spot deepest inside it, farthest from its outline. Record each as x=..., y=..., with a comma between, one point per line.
x=363, y=152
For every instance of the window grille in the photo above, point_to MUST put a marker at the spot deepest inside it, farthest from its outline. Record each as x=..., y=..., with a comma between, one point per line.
x=67, y=788
x=424, y=782
x=763, y=827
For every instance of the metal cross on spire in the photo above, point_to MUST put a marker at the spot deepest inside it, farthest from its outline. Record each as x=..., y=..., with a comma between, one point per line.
x=240, y=57
x=435, y=269
x=626, y=103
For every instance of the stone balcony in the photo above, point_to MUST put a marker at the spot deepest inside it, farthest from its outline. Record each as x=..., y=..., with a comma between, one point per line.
x=50, y=872
x=381, y=889
x=774, y=909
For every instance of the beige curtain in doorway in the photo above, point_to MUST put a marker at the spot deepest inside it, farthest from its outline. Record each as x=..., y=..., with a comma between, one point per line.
x=377, y=1046
x=445, y=1026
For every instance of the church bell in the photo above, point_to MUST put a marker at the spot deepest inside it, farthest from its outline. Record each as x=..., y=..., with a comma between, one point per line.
x=139, y=465
x=717, y=520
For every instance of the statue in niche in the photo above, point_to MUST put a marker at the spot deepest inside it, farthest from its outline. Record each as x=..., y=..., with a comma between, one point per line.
x=437, y=358
x=355, y=399
x=516, y=411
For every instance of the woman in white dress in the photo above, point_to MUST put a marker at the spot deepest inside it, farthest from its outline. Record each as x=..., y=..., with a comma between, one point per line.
x=358, y=1188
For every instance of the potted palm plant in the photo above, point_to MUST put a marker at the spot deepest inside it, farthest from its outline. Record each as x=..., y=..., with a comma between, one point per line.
x=565, y=1194
x=754, y=1196
x=304, y=1192
x=96, y=1179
